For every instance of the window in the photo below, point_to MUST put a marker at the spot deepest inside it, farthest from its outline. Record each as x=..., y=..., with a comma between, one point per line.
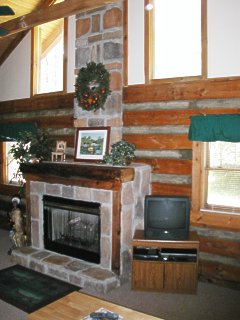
x=216, y=185
x=48, y=73
x=12, y=175
x=221, y=171
x=193, y=43
x=176, y=29
x=9, y=169
x=187, y=39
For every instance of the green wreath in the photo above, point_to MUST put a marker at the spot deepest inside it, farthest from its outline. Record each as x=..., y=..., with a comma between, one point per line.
x=92, y=86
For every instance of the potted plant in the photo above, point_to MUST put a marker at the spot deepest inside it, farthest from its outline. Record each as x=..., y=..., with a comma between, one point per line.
x=121, y=153
x=32, y=146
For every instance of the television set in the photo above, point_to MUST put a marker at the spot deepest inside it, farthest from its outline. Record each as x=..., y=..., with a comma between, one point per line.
x=166, y=217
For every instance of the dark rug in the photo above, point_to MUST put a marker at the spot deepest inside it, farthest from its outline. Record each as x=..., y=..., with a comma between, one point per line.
x=29, y=290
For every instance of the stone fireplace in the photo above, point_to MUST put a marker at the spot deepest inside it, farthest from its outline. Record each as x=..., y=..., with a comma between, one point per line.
x=118, y=192
x=72, y=227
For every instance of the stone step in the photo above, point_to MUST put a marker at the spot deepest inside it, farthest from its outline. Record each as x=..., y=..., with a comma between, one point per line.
x=71, y=270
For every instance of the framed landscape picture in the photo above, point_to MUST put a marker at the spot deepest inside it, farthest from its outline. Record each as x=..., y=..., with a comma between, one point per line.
x=92, y=143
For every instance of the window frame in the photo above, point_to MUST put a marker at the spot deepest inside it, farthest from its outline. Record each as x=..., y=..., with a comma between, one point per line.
x=6, y=188
x=149, y=47
x=188, y=88
x=199, y=216
x=34, y=69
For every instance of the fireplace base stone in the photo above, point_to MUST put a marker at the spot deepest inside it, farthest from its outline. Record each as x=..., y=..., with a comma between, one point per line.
x=120, y=192
x=75, y=271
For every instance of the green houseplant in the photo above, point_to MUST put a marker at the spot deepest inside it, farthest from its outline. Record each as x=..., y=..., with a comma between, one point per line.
x=121, y=153
x=30, y=146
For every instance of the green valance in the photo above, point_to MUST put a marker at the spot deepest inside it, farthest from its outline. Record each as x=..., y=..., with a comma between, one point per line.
x=215, y=127
x=11, y=131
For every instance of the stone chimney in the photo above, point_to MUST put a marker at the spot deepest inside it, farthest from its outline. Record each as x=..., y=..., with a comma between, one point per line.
x=99, y=38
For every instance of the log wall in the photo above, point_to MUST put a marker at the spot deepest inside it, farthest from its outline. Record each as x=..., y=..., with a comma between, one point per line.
x=159, y=131
x=52, y=113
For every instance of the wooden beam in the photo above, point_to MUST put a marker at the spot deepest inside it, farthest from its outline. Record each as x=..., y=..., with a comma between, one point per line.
x=78, y=171
x=159, y=141
x=13, y=44
x=57, y=11
x=184, y=90
x=38, y=102
x=18, y=38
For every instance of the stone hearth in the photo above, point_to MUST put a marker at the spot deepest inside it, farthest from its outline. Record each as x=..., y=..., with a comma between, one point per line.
x=119, y=190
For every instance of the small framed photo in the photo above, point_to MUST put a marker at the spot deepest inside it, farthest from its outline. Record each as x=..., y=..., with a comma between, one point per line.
x=92, y=143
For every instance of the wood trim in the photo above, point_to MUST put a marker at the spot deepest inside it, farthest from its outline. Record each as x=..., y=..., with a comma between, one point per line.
x=28, y=213
x=35, y=57
x=159, y=141
x=202, y=218
x=6, y=189
x=38, y=102
x=65, y=121
x=82, y=182
x=116, y=230
x=33, y=88
x=169, y=117
x=185, y=90
x=77, y=171
x=147, y=44
x=18, y=38
x=204, y=39
x=2, y=160
x=228, y=222
x=196, y=176
x=65, y=54
x=182, y=88
x=3, y=163
x=125, y=42
x=59, y=10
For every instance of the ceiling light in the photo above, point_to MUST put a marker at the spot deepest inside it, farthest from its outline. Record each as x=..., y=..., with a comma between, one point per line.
x=149, y=7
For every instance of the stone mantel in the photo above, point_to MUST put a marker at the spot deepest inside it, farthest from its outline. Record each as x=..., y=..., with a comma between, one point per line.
x=120, y=190
x=76, y=173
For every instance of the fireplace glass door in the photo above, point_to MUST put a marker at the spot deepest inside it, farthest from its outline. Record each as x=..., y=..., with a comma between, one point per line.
x=72, y=227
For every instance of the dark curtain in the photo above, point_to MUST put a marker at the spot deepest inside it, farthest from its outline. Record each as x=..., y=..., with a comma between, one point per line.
x=215, y=127
x=11, y=131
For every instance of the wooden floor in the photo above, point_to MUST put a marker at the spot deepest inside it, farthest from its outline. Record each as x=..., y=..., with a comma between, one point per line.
x=76, y=306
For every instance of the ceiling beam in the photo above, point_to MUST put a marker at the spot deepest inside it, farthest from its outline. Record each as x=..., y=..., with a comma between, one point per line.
x=17, y=38
x=57, y=11
x=12, y=45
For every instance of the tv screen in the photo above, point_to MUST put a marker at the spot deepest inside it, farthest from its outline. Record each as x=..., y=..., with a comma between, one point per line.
x=166, y=217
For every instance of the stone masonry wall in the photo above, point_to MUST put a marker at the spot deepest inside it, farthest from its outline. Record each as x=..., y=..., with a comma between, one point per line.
x=99, y=38
x=132, y=213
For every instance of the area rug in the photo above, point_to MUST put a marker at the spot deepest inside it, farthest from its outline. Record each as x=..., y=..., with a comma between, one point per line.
x=29, y=290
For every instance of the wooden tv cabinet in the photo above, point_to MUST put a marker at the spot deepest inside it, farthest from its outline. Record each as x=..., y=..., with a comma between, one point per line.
x=163, y=265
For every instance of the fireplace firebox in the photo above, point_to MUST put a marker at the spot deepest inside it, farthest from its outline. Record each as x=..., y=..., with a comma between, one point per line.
x=72, y=227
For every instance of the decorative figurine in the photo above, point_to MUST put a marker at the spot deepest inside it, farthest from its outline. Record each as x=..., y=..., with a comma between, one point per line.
x=60, y=152
x=17, y=236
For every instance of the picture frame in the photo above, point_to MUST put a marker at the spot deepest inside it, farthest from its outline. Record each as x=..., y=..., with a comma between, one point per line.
x=92, y=143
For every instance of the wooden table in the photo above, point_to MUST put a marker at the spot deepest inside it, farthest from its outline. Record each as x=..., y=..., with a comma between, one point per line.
x=76, y=306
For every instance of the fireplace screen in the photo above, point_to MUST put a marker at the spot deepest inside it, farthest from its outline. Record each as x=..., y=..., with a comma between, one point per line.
x=72, y=227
